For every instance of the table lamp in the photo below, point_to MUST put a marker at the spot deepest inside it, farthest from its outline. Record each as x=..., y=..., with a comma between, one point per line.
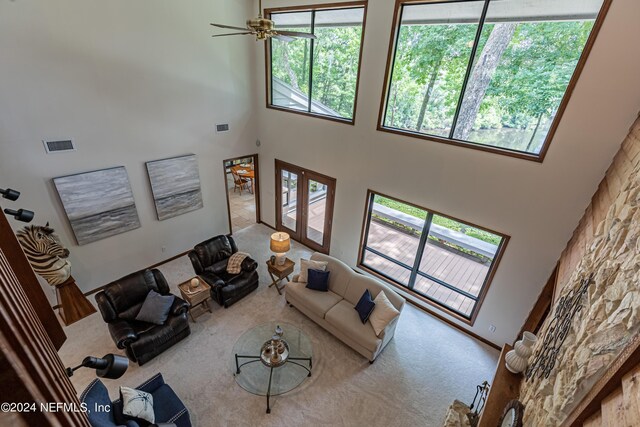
x=280, y=244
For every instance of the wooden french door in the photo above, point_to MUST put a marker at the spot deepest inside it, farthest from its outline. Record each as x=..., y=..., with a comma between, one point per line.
x=304, y=205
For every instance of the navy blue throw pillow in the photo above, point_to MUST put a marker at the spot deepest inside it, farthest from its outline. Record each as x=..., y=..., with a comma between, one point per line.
x=318, y=280
x=365, y=306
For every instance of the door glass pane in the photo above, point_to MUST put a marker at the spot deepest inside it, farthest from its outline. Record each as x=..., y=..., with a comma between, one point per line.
x=432, y=54
x=527, y=55
x=317, y=196
x=336, y=54
x=289, y=182
x=460, y=256
x=394, y=231
x=290, y=62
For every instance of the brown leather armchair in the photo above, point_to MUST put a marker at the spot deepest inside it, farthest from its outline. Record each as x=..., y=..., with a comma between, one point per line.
x=120, y=302
x=209, y=260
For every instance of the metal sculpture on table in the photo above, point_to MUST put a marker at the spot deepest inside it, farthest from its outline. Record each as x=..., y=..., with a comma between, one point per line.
x=567, y=307
x=49, y=259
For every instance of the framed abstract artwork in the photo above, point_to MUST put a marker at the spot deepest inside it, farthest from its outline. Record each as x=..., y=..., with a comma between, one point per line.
x=175, y=184
x=98, y=204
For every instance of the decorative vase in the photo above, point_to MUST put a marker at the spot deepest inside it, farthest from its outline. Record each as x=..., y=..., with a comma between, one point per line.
x=194, y=284
x=516, y=360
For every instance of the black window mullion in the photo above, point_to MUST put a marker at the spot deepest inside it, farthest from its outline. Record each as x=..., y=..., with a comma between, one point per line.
x=393, y=64
x=271, y=71
x=448, y=286
x=367, y=225
x=421, y=245
x=388, y=258
x=313, y=30
x=467, y=75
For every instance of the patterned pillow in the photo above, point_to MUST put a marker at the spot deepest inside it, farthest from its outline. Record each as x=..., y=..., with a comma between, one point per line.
x=137, y=404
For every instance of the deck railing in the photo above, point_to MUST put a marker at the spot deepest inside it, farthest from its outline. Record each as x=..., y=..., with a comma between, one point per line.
x=453, y=237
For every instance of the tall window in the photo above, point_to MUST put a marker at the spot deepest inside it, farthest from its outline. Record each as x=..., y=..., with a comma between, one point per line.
x=446, y=262
x=317, y=76
x=489, y=74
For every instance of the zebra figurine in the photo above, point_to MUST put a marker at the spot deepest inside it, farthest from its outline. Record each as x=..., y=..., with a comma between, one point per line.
x=45, y=253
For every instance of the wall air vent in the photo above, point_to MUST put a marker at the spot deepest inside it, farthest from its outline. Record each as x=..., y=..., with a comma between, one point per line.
x=58, y=146
x=222, y=127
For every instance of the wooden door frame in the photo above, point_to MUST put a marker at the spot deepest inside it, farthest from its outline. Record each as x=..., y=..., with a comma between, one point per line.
x=256, y=187
x=302, y=200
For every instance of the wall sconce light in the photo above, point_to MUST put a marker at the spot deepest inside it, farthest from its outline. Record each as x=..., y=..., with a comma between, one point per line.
x=109, y=366
x=23, y=215
x=10, y=194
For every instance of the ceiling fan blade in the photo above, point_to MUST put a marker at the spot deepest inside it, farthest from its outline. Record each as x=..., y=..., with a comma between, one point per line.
x=232, y=34
x=282, y=38
x=296, y=34
x=229, y=26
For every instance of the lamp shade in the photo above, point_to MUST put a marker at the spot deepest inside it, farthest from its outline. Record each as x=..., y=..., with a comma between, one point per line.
x=280, y=242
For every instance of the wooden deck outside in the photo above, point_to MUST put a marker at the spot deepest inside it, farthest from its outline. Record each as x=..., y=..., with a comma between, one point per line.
x=450, y=267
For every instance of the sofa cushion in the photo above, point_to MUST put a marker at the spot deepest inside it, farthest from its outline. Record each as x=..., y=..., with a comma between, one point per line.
x=305, y=265
x=343, y=317
x=383, y=313
x=318, y=302
x=318, y=280
x=340, y=274
x=365, y=306
x=358, y=284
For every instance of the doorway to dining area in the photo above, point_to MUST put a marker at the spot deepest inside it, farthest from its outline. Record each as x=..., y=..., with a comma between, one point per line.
x=241, y=180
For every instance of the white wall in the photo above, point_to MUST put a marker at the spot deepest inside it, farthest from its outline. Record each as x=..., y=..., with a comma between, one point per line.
x=538, y=205
x=129, y=81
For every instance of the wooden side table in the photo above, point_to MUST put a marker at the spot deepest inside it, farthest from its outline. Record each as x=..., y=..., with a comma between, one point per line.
x=279, y=272
x=197, y=298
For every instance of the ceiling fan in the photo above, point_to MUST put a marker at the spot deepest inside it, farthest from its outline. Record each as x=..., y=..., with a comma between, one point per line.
x=263, y=29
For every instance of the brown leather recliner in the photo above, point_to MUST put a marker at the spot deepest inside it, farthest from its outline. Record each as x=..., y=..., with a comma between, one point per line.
x=120, y=302
x=209, y=260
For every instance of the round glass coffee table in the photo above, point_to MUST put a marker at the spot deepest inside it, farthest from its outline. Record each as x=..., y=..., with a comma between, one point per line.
x=272, y=359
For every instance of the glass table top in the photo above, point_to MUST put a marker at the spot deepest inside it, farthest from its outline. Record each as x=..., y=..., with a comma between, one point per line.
x=255, y=370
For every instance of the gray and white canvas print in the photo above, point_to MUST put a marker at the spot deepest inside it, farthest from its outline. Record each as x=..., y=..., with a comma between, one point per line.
x=175, y=184
x=98, y=204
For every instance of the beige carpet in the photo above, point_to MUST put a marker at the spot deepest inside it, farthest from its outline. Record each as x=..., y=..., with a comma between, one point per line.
x=424, y=368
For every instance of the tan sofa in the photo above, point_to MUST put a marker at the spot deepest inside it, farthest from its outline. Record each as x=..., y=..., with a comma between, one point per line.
x=335, y=310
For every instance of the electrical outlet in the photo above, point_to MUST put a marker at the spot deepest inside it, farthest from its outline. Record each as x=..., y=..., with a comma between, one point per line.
x=164, y=249
x=492, y=328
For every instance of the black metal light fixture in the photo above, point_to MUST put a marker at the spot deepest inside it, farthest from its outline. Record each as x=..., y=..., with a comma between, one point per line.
x=23, y=215
x=109, y=366
x=10, y=194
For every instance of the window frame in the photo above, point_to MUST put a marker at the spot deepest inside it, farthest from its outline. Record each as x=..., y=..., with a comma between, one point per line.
x=415, y=270
x=268, y=50
x=393, y=40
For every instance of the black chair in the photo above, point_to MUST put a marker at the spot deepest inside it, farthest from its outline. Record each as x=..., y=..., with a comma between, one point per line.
x=168, y=409
x=120, y=302
x=209, y=260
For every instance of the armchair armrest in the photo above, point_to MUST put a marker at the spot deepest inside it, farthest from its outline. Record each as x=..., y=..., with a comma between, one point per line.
x=106, y=309
x=389, y=330
x=249, y=265
x=122, y=333
x=179, y=306
x=195, y=261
